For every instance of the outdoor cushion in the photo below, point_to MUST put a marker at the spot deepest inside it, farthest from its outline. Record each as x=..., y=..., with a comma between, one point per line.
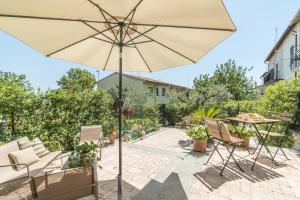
x=24, y=143
x=39, y=147
x=8, y=173
x=25, y=156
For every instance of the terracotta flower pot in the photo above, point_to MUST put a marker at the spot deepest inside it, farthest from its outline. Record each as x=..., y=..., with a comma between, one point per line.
x=112, y=137
x=245, y=142
x=199, y=145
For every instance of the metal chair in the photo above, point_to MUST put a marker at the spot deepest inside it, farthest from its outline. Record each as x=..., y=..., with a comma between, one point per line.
x=219, y=132
x=278, y=138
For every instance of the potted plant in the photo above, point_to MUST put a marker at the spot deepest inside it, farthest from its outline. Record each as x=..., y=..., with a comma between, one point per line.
x=245, y=135
x=83, y=155
x=199, y=135
x=112, y=135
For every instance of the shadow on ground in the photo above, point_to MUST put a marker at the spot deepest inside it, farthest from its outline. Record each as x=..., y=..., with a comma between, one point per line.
x=265, y=160
x=211, y=178
x=170, y=189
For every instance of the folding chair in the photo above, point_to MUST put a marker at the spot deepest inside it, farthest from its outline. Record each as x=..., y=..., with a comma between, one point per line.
x=279, y=138
x=91, y=134
x=219, y=132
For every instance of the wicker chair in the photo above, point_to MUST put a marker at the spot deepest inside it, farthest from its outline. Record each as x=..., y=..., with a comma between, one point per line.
x=219, y=132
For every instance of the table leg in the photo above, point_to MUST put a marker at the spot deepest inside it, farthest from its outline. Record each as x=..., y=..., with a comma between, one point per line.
x=259, y=139
x=263, y=143
x=239, y=133
x=259, y=152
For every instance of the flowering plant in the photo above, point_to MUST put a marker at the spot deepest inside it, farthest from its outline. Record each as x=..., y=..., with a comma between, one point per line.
x=198, y=132
x=127, y=111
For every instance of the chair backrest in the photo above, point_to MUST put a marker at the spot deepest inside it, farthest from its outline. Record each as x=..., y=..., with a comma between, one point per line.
x=91, y=133
x=217, y=129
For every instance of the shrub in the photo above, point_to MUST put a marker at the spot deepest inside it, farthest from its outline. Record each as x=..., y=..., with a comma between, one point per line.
x=151, y=111
x=141, y=124
x=64, y=112
x=281, y=96
x=232, y=108
x=174, y=112
x=197, y=132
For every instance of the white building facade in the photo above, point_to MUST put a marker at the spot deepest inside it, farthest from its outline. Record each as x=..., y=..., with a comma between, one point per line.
x=157, y=91
x=284, y=59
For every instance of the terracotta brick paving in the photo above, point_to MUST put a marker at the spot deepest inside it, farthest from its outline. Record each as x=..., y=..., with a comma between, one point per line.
x=162, y=166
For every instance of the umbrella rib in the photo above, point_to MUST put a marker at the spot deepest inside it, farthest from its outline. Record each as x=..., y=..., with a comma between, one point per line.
x=190, y=27
x=139, y=53
x=143, y=42
x=52, y=18
x=103, y=40
x=166, y=47
x=70, y=45
x=112, y=46
x=129, y=25
x=97, y=5
x=101, y=11
x=141, y=34
x=98, y=31
x=133, y=10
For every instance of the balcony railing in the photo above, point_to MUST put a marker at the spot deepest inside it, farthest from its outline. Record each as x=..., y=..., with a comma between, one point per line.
x=295, y=58
x=272, y=76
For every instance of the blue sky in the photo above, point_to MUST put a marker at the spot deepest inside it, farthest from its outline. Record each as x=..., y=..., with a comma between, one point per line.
x=256, y=21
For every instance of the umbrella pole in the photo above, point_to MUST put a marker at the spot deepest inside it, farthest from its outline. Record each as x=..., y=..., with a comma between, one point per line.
x=120, y=195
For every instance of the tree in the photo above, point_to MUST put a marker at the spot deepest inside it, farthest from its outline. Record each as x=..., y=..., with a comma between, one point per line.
x=229, y=79
x=235, y=79
x=18, y=103
x=77, y=80
x=210, y=93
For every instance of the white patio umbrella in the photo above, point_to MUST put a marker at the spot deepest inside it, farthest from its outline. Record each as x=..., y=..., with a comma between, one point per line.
x=119, y=35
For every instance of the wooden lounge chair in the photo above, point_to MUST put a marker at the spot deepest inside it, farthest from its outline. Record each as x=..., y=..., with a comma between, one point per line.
x=219, y=132
x=91, y=134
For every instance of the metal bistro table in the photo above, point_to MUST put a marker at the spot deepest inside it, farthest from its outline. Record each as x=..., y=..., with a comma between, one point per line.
x=261, y=137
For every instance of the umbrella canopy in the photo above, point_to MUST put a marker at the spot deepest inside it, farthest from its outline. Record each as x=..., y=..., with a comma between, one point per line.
x=158, y=34
x=150, y=35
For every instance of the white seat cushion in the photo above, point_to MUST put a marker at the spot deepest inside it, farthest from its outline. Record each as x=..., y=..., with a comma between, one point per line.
x=39, y=147
x=25, y=156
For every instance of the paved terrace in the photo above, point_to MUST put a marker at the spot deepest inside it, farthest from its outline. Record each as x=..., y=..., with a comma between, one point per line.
x=163, y=167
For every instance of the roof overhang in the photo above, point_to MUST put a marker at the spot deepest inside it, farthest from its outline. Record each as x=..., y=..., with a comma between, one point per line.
x=293, y=23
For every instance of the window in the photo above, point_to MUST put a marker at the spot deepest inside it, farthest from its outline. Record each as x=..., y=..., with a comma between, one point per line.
x=163, y=92
x=157, y=91
x=150, y=90
x=276, y=71
x=292, y=57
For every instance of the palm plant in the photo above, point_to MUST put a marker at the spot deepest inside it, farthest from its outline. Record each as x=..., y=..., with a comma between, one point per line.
x=211, y=112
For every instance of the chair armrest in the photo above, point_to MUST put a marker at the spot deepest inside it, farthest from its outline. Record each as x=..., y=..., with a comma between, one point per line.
x=11, y=165
x=54, y=142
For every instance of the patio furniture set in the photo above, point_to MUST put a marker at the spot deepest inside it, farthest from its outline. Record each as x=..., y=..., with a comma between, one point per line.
x=219, y=133
x=49, y=174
